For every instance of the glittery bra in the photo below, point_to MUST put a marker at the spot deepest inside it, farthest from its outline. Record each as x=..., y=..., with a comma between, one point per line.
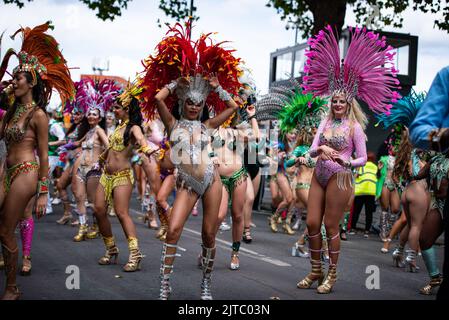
x=15, y=134
x=336, y=141
x=116, y=141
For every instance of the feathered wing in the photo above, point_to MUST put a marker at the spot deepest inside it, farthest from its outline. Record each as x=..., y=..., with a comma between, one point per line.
x=323, y=64
x=36, y=42
x=214, y=58
x=403, y=112
x=291, y=106
x=369, y=61
x=107, y=93
x=175, y=57
x=367, y=71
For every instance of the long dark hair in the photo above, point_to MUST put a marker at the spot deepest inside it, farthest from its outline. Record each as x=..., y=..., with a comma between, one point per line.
x=401, y=164
x=135, y=119
x=84, y=126
x=39, y=97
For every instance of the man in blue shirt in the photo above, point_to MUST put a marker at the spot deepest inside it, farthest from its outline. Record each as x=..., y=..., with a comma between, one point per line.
x=432, y=116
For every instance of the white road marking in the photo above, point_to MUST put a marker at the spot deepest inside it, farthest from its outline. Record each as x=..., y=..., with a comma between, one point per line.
x=247, y=252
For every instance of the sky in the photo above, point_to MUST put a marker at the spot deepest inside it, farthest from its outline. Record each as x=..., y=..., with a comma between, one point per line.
x=253, y=29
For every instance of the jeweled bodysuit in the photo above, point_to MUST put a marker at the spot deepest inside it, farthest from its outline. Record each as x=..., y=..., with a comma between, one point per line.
x=190, y=155
x=343, y=138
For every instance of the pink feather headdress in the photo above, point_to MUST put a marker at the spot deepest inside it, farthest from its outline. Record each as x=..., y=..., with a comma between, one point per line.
x=94, y=95
x=367, y=71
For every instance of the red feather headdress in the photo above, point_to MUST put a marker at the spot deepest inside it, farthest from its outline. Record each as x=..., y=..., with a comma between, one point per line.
x=178, y=56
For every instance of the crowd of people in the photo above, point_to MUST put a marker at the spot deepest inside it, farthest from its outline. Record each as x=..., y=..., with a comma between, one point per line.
x=190, y=123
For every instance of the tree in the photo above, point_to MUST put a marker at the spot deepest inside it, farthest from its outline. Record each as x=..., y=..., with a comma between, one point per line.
x=311, y=16
x=180, y=10
x=106, y=9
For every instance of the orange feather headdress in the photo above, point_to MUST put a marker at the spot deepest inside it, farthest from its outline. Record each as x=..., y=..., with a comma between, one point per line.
x=41, y=56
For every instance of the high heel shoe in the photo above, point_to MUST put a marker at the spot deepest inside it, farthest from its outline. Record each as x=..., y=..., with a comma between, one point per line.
x=398, y=257
x=110, y=257
x=247, y=235
x=82, y=233
x=66, y=218
x=331, y=279
x=273, y=222
x=94, y=232
x=133, y=264
x=26, y=266
x=316, y=275
x=235, y=263
x=152, y=223
x=287, y=229
x=299, y=251
x=435, y=282
x=410, y=261
x=135, y=256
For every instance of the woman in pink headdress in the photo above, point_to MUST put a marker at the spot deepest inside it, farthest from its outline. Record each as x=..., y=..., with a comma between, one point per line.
x=340, y=142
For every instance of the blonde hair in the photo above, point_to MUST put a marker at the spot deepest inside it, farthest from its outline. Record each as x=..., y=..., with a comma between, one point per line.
x=356, y=113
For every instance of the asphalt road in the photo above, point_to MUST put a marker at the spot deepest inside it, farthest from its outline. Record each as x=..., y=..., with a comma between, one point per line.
x=268, y=271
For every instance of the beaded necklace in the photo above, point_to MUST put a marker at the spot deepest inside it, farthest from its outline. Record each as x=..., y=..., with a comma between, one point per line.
x=20, y=110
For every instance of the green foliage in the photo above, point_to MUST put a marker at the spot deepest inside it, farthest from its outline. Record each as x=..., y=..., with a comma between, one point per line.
x=301, y=13
x=178, y=9
x=106, y=9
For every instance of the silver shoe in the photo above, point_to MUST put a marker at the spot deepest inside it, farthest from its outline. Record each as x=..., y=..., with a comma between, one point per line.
x=208, y=255
x=298, y=251
x=410, y=261
x=398, y=257
x=205, y=288
x=165, y=289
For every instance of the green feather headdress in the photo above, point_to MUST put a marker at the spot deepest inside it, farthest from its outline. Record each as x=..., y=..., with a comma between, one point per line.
x=293, y=108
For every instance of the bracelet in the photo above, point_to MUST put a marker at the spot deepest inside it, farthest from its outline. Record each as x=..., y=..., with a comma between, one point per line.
x=252, y=117
x=222, y=94
x=145, y=149
x=43, y=186
x=172, y=86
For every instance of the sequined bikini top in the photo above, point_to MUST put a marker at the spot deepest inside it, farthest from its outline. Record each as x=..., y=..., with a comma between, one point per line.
x=15, y=134
x=190, y=127
x=336, y=142
x=89, y=144
x=185, y=141
x=116, y=141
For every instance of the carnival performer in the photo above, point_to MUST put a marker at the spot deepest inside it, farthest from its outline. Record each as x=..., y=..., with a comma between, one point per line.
x=110, y=123
x=203, y=77
x=436, y=170
x=433, y=116
x=302, y=112
x=156, y=139
x=390, y=201
x=341, y=133
x=68, y=153
x=414, y=195
x=116, y=181
x=167, y=187
x=252, y=160
x=56, y=138
x=98, y=97
x=228, y=148
x=25, y=128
